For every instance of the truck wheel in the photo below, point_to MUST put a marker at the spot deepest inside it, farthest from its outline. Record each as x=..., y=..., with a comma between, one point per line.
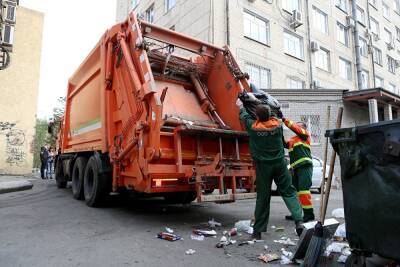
x=78, y=172
x=96, y=185
x=60, y=179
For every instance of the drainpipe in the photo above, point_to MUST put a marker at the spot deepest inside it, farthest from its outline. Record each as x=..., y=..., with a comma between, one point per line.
x=371, y=47
x=357, y=45
x=228, y=37
x=307, y=13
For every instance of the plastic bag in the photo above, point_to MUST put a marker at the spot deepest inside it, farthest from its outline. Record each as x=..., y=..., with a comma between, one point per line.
x=338, y=213
x=244, y=226
x=341, y=231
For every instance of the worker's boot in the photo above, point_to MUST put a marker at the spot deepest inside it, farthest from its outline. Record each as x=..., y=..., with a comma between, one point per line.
x=308, y=215
x=299, y=227
x=289, y=217
x=256, y=235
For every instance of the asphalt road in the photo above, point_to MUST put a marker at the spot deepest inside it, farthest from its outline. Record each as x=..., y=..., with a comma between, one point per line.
x=45, y=226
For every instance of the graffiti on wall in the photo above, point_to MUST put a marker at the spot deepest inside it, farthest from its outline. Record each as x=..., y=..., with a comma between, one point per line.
x=15, y=140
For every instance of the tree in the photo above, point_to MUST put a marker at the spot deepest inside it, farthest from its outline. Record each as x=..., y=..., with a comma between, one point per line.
x=39, y=141
x=58, y=114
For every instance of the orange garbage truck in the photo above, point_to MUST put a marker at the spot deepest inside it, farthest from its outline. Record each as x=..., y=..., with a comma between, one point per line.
x=153, y=111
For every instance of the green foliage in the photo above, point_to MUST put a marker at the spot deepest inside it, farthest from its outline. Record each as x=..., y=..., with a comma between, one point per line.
x=39, y=140
x=58, y=113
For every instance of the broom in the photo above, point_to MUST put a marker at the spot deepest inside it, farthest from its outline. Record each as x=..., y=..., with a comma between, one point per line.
x=317, y=242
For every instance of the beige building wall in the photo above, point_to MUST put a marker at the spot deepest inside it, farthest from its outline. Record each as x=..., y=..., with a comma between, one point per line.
x=19, y=85
x=207, y=20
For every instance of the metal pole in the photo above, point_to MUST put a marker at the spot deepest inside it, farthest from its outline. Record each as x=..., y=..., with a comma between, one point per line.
x=325, y=159
x=357, y=45
x=309, y=45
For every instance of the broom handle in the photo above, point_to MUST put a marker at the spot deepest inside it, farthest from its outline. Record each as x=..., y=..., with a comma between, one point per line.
x=324, y=167
x=331, y=168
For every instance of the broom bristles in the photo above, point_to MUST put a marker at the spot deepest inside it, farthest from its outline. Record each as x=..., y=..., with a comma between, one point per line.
x=315, y=247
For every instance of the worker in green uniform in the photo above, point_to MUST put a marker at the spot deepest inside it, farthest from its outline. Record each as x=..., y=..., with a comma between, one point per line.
x=301, y=165
x=267, y=150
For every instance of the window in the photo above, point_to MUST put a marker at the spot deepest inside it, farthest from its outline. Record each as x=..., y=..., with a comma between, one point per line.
x=8, y=34
x=361, y=15
x=135, y=3
x=169, y=4
x=391, y=64
x=392, y=87
x=320, y=20
x=364, y=79
x=259, y=76
x=345, y=69
x=379, y=82
x=149, y=15
x=363, y=47
x=343, y=34
x=10, y=12
x=313, y=126
x=377, y=56
x=290, y=5
x=398, y=33
x=397, y=6
x=294, y=83
x=386, y=10
x=322, y=59
x=256, y=28
x=342, y=4
x=374, y=26
x=388, y=36
x=293, y=45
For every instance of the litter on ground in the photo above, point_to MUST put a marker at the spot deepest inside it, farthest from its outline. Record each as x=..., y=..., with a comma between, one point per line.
x=168, y=236
x=190, y=252
x=285, y=241
x=280, y=229
x=197, y=237
x=268, y=257
x=204, y=232
x=244, y=226
x=169, y=230
x=338, y=213
x=340, y=231
x=212, y=223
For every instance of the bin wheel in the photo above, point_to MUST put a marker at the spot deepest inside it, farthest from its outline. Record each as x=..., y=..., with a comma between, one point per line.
x=355, y=260
x=78, y=173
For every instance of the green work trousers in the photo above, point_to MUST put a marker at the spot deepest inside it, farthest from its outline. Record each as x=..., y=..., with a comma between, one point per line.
x=266, y=172
x=302, y=181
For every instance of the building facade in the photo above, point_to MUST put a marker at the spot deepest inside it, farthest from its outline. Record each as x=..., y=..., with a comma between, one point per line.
x=19, y=84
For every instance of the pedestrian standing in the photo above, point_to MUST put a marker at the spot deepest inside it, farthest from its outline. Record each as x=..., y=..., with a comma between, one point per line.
x=267, y=151
x=43, y=161
x=301, y=166
x=50, y=164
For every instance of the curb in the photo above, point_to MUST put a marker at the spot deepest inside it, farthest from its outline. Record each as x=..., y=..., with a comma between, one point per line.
x=14, y=186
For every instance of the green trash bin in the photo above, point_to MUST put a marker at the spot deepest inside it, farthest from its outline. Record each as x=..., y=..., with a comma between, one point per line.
x=370, y=173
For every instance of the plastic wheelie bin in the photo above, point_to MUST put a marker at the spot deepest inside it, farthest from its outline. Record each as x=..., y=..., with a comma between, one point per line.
x=370, y=173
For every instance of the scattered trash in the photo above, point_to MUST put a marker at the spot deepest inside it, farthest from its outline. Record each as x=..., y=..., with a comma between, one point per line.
x=168, y=236
x=335, y=247
x=268, y=257
x=273, y=227
x=225, y=232
x=223, y=239
x=280, y=229
x=212, y=223
x=285, y=260
x=197, y=237
x=233, y=232
x=266, y=247
x=204, y=232
x=342, y=259
x=233, y=242
x=250, y=242
x=244, y=226
x=225, y=242
x=341, y=231
x=285, y=241
x=338, y=213
x=190, y=252
x=286, y=253
x=169, y=230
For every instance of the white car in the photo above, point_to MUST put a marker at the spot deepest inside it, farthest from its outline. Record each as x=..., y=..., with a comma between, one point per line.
x=317, y=174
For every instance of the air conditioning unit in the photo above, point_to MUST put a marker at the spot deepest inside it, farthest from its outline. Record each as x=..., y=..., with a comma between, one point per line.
x=314, y=46
x=376, y=37
x=350, y=23
x=296, y=20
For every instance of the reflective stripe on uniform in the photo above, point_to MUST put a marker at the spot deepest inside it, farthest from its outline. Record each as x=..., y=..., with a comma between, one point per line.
x=290, y=123
x=299, y=144
x=297, y=162
x=305, y=199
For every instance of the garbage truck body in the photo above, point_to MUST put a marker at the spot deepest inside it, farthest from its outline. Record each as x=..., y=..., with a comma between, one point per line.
x=153, y=111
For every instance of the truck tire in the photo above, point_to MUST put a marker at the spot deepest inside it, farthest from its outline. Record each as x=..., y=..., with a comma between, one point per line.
x=96, y=185
x=60, y=179
x=180, y=197
x=78, y=172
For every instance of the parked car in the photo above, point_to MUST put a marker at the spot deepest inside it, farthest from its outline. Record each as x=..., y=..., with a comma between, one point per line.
x=317, y=174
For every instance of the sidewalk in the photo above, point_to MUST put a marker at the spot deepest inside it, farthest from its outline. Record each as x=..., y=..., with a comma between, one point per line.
x=14, y=183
